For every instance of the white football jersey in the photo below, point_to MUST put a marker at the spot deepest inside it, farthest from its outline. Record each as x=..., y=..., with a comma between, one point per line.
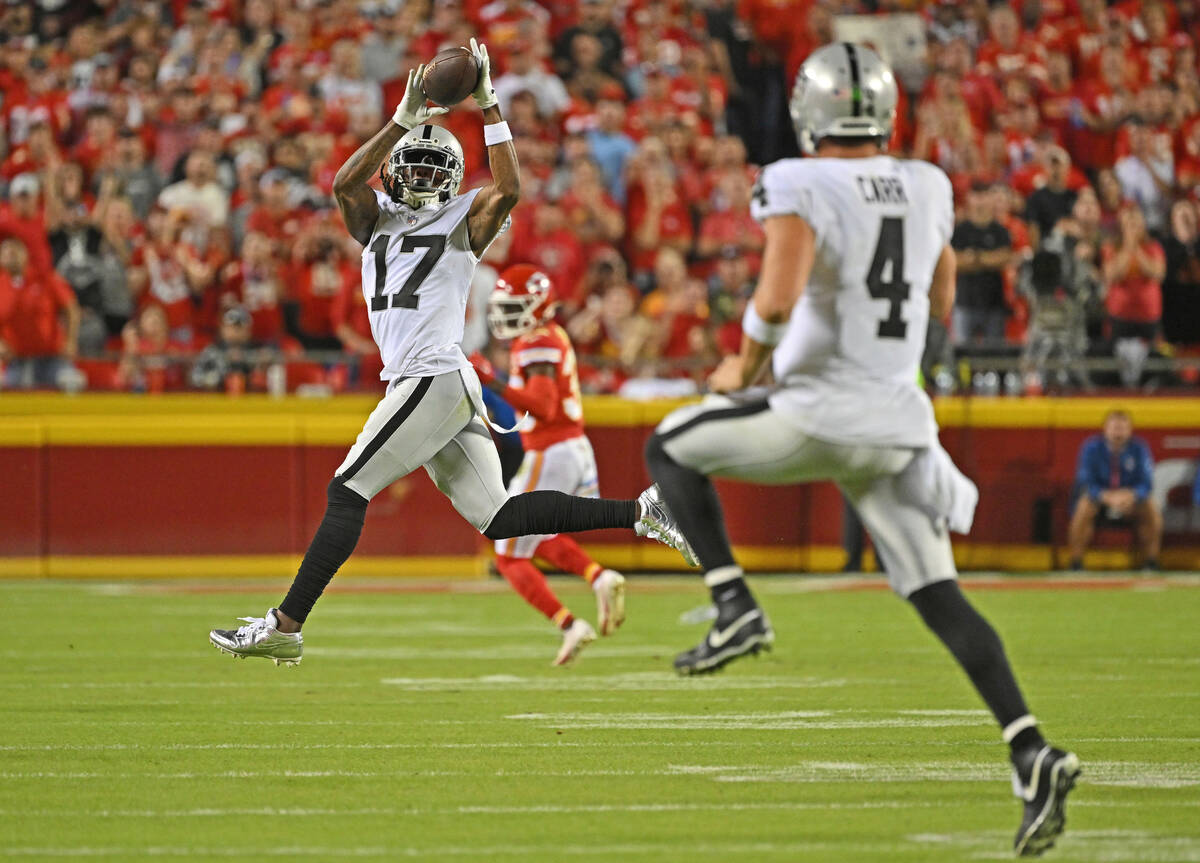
x=848, y=361
x=416, y=277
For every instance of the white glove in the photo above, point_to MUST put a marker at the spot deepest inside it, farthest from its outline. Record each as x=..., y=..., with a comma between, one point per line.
x=412, y=111
x=485, y=94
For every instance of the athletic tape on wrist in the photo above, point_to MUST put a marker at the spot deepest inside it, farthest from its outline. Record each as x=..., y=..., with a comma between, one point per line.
x=758, y=329
x=1017, y=726
x=496, y=133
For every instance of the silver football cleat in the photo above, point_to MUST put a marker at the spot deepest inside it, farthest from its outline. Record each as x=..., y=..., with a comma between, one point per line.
x=260, y=637
x=657, y=523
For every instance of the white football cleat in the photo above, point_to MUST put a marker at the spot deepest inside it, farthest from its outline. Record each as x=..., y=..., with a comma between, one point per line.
x=609, y=586
x=260, y=637
x=575, y=637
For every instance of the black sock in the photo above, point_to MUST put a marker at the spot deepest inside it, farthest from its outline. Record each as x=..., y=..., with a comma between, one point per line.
x=693, y=502
x=555, y=512
x=1029, y=739
x=332, y=544
x=733, y=592
x=977, y=647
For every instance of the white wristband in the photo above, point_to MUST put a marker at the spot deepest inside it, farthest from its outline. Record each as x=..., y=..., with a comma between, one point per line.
x=496, y=133
x=759, y=330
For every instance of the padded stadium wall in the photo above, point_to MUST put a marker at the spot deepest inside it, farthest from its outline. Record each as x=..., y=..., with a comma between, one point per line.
x=112, y=486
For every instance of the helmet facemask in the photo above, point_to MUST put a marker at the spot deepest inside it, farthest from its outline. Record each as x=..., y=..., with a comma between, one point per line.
x=420, y=175
x=509, y=316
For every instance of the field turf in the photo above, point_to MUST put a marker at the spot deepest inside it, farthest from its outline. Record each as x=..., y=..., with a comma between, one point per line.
x=429, y=725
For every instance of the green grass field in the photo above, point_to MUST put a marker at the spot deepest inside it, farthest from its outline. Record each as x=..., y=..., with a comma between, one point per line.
x=430, y=726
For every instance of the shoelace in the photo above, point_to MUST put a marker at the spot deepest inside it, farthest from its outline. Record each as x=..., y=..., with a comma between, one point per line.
x=254, y=625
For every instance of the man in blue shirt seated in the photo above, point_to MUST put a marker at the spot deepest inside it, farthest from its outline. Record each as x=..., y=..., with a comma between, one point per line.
x=1113, y=479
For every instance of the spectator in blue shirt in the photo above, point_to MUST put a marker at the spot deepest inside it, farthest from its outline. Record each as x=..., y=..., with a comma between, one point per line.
x=610, y=146
x=1113, y=480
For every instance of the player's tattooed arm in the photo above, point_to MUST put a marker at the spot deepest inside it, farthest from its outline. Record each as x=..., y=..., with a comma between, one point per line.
x=494, y=202
x=355, y=198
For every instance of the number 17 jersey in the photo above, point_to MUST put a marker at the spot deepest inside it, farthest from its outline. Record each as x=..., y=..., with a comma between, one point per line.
x=416, y=278
x=848, y=362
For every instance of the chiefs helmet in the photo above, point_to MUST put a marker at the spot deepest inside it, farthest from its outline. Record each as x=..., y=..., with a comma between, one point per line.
x=522, y=300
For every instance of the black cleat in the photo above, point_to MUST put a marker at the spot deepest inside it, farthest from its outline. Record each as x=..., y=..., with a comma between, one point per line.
x=737, y=631
x=1042, y=779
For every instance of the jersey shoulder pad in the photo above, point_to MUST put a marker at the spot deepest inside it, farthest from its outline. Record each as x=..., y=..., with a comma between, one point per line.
x=937, y=195
x=785, y=188
x=542, y=345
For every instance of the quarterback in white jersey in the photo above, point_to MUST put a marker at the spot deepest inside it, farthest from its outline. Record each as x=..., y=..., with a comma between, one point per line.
x=422, y=241
x=857, y=258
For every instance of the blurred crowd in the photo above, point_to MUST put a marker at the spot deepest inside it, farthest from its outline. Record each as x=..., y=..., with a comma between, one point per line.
x=167, y=169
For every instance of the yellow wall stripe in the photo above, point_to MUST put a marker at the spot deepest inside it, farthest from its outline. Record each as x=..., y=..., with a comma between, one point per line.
x=199, y=420
x=627, y=557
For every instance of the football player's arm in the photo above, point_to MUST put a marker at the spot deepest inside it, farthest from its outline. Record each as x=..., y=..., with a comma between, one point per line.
x=539, y=396
x=942, y=289
x=495, y=201
x=787, y=263
x=355, y=198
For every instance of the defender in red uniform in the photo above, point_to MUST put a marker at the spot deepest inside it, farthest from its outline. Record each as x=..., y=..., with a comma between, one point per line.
x=544, y=384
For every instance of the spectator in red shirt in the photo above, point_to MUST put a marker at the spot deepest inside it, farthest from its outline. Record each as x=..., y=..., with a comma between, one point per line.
x=1008, y=52
x=1056, y=94
x=548, y=243
x=33, y=344
x=1134, y=267
x=1103, y=105
x=319, y=275
x=661, y=221
x=274, y=217
x=591, y=212
x=33, y=156
x=678, y=308
x=255, y=282
x=172, y=273
x=352, y=325
x=150, y=361
x=729, y=225
x=96, y=149
x=22, y=217
x=650, y=114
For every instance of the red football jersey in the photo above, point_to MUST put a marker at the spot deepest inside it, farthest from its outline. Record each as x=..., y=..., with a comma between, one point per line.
x=549, y=344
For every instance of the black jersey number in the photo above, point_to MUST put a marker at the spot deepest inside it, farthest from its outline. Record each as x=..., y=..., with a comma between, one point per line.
x=889, y=262
x=406, y=297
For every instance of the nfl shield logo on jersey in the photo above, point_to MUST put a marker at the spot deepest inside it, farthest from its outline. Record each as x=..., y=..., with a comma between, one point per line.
x=412, y=219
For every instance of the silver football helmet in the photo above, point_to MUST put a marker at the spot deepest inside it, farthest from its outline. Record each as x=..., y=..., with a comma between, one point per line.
x=843, y=90
x=426, y=165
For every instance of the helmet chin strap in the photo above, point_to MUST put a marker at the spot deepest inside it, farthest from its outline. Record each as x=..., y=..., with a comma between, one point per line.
x=417, y=200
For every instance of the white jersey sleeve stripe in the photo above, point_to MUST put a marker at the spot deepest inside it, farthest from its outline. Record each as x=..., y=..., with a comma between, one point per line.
x=538, y=355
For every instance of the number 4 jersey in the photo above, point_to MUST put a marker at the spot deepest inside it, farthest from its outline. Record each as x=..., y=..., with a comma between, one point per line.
x=416, y=277
x=848, y=362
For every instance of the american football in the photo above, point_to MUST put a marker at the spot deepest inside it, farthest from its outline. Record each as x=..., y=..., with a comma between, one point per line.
x=450, y=76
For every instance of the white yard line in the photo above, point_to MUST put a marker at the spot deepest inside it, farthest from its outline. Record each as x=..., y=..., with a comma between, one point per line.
x=660, y=850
